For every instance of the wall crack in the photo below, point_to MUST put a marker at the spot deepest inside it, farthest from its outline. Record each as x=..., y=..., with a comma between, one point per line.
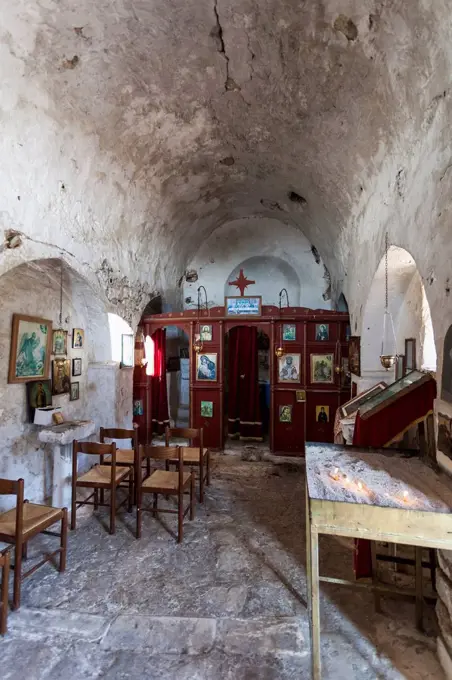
x=229, y=84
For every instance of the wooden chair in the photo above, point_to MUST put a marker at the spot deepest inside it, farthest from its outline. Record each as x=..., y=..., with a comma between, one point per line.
x=124, y=457
x=167, y=483
x=26, y=520
x=99, y=478
x=194, y=456
x=4, y=564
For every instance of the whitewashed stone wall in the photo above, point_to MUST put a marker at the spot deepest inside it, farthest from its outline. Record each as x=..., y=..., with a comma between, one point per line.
x=33, y=289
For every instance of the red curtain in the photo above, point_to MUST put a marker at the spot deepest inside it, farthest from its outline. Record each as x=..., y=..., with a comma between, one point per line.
x=244, y=415
x=157, y=371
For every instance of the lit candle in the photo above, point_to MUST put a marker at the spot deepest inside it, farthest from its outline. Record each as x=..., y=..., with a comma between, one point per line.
x=406, y=496
x=360, y=486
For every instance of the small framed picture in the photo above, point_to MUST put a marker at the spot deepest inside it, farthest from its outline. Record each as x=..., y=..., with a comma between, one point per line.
x=322, y=414
x=322, y=331
x=410, y=354
x=59, y=342
x=300, y=395
x=400, y=367
x=289, y=368
x=77, y=366
x=75, y=391
x=285, y=414
x=206, y=367
x=31, y=346
x=206, y=333
x=61, y=378
x=78, y=338
x=322, y=368
x=207, y=409
x=289, y=332
x=127, y=350
x=354, y=355
x=138, y=407
x=58, y=418
x=39, y=395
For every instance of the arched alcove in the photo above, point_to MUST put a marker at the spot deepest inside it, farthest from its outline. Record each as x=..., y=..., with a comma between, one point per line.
x=271, y=274
x=410, y=311
x=34, y=289
x=272, y=253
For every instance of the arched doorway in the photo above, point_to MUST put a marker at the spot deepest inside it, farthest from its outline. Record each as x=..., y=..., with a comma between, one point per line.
x=247, y=384
x=414, y=341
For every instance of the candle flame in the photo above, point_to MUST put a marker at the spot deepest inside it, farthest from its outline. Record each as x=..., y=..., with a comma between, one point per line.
x=405, y=495
x=360, y=486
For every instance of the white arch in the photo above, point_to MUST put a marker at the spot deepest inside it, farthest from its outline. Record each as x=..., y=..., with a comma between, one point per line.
x=410, y=311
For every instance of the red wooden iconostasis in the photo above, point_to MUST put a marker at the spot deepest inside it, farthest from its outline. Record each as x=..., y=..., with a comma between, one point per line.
x=284, y=437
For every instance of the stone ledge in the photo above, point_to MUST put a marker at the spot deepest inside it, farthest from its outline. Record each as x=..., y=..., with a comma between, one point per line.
x=28, y=621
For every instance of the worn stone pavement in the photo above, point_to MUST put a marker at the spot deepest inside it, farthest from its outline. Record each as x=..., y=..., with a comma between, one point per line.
x=229, y=603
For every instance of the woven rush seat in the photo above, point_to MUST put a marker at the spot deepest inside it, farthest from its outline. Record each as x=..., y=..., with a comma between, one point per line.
x=101, y=474
x=164, y=479
x=123, y=457
x=33, y=517
x=191, y=454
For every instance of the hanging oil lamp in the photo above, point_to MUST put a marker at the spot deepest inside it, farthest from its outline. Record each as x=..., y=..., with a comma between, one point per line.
x=389, y=343
x=279, y=350
x=198, y=344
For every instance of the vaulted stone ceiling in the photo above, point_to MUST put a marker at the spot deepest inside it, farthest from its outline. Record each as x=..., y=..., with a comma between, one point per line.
x=131, y=129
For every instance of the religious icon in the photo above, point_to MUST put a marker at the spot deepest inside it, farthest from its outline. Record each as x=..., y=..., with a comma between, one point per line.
x=206, y=367
x=78, y=338
x=207, y=409
x=285, y=414
x=206, y=333
x=300, y=395
x=59, y=342
x=289, y=368
x=138, y=407
x=322, y=414
x=76, y=366
x=61, y=381
x=75, y=391
x=243, y=306
x=322, y=331
x=31, y=345
x=354, y=355
x=322, y=368
x=39, y=395
x=289, y=332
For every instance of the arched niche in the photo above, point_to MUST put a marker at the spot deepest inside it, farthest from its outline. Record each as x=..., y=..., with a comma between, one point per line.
x=33, y=289
x=410, y=311
x=248, y=243
x=271, y=274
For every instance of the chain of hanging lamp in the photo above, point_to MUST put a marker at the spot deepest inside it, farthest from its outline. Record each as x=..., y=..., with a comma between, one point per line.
x=61, y=294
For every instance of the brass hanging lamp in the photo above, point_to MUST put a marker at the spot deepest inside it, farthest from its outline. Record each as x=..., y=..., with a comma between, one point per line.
x=198, y=345
x=279, y=350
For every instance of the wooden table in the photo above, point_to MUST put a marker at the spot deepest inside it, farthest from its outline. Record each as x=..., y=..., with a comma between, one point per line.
x=385, y=496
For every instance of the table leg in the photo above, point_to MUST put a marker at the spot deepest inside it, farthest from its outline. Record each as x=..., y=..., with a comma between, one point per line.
x=312, y=560
x=373, y=551
x=419, y=590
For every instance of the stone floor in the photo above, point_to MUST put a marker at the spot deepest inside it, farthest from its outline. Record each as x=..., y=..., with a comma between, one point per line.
x=229, y=603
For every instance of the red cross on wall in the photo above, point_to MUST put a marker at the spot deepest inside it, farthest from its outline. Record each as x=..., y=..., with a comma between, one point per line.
x=241, y=283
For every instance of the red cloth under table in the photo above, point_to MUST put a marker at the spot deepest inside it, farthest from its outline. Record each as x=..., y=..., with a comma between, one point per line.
x=380, y=430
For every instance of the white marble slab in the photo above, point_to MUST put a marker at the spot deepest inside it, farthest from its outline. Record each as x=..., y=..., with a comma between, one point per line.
x=67, y=432
x=388, y=478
